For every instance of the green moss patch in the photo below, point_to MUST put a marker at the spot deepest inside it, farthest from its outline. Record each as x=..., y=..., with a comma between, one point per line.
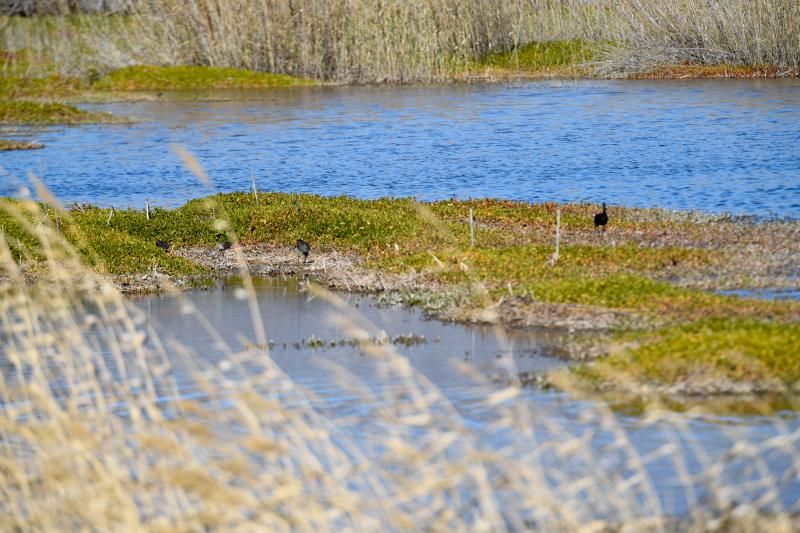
x=528, y=263
x=705, y=353
x=154, y=78
x=24, y=112
x=122, y=253
x=113, y=250
x=538, y=56
x=52, y=86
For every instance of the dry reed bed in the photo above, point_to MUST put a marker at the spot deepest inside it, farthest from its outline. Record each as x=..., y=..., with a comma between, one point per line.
x=413, y=40
x=105, y=426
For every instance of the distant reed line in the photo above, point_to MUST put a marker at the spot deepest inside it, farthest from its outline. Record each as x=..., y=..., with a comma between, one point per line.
x=410, y=40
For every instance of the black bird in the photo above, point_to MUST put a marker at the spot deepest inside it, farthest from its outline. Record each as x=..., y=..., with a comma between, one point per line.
x=164, y=245
x=303, y=247
x=222, y=242
x=601, y=219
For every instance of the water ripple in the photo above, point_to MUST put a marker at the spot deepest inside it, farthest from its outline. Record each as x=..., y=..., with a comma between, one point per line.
x=719, y=146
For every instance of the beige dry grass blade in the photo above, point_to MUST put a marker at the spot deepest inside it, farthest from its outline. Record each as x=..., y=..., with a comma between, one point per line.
x=192, y=164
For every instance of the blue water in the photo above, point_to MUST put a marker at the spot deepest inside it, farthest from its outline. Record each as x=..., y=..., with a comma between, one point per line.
x=716, y=146
x=288, y=316
x=765, y=294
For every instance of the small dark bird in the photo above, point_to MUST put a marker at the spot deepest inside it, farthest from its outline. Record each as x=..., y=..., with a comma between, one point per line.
x=601, y=219
x=303, y=247
x=222, y=242
x=164, y=245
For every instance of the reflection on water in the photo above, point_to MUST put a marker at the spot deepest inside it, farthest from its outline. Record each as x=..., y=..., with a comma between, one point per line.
x=300, y=330
x=710, y=145
x=455, y=358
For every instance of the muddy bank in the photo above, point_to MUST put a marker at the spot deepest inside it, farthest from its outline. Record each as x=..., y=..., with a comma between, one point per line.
x=348, y=272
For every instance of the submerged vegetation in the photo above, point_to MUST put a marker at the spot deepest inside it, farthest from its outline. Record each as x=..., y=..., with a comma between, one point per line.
x=642, y=275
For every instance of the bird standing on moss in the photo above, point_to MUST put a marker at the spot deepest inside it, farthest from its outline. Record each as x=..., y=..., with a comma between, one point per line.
x=303, y=247
x=223, y=243
x=601, y=219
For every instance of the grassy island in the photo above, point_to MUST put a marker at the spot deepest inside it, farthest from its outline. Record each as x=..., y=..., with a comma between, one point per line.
x=646, y=283
x=24, y=112
x=6, y=145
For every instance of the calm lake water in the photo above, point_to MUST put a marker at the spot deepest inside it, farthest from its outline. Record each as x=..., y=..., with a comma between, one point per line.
x=457, y=360
x=717, y=146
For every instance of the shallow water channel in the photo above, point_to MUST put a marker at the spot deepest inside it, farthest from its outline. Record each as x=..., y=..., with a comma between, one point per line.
x=467, y=364
x=714, y=145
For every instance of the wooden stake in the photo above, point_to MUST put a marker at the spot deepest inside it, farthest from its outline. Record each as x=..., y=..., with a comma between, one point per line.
x=554, y=257
x=147, y=208
x=558, y=229
x=255, y=191
x=471, y=229
x=111, y=214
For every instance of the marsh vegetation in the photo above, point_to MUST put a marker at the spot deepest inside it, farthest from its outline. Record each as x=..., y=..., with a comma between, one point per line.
x=652, y=274
x=407, y=41
x=95, y=407
x=110, y=421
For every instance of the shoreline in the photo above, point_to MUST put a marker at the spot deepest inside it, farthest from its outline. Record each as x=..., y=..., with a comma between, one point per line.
x=52, y=100
x=593, y=331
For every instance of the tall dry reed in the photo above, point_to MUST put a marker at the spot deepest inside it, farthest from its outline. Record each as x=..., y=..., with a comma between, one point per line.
x=761, y=33
x=339, y=40
x=408, y=40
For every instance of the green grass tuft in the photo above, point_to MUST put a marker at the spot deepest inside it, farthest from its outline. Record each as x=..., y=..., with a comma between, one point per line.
x=155, y=78
x=540, y=56
x=6, y=145
x=722, y=348
x=24, y=112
